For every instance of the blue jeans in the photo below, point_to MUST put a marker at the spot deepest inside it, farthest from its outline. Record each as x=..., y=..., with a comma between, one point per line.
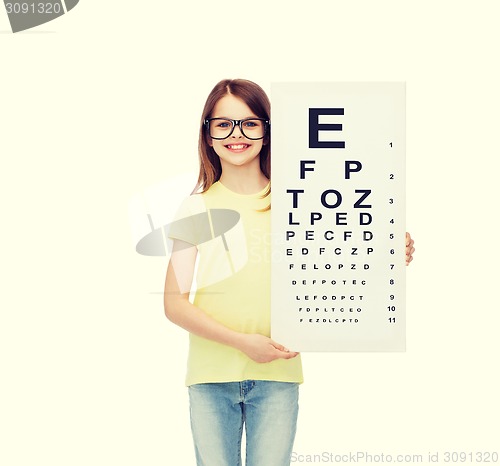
x=267, y=409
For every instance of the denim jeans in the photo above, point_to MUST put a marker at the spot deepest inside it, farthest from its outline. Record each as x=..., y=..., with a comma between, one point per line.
x=267, y=409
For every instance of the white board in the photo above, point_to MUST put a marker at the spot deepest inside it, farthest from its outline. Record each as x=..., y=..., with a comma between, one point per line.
x=338, y=216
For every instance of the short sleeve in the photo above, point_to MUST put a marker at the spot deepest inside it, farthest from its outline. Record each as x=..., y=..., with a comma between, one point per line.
x=191, y=221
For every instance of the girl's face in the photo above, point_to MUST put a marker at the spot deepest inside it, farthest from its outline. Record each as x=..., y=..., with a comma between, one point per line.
x=235, y=150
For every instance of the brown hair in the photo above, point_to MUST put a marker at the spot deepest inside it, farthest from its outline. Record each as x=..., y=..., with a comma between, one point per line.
x=256, y=99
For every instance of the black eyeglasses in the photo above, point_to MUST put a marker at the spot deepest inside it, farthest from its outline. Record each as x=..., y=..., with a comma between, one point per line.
x=251, y=128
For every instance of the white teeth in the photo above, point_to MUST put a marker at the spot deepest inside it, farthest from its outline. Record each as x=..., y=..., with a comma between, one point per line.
x=237, y=146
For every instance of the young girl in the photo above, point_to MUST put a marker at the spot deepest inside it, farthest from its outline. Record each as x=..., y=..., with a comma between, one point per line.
x=237, y=375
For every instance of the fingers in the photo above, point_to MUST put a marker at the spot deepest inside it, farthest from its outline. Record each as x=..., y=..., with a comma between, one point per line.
x=277, y=345
x=409, y=248
x=409, y=241
x=284, y=353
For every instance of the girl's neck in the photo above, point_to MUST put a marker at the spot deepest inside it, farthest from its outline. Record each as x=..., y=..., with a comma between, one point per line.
x=242, y=180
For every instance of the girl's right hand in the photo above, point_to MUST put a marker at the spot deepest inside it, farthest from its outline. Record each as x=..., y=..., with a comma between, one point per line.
x=263, y=349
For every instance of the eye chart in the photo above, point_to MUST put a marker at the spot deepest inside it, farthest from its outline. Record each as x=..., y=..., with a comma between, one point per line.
x=338, y=216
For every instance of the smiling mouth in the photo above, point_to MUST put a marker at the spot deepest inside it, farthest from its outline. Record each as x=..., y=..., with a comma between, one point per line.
x=237, y=146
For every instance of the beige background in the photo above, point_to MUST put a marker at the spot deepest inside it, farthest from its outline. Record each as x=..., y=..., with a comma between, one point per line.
x=105, y=101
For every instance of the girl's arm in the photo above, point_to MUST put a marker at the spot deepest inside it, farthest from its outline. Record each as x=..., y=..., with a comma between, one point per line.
x=180, y=311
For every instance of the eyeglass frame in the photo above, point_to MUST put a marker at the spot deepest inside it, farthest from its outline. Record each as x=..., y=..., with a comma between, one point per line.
x=237, y=123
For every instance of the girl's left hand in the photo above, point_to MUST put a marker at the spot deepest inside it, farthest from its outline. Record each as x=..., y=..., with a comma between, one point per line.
x=409, y=248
